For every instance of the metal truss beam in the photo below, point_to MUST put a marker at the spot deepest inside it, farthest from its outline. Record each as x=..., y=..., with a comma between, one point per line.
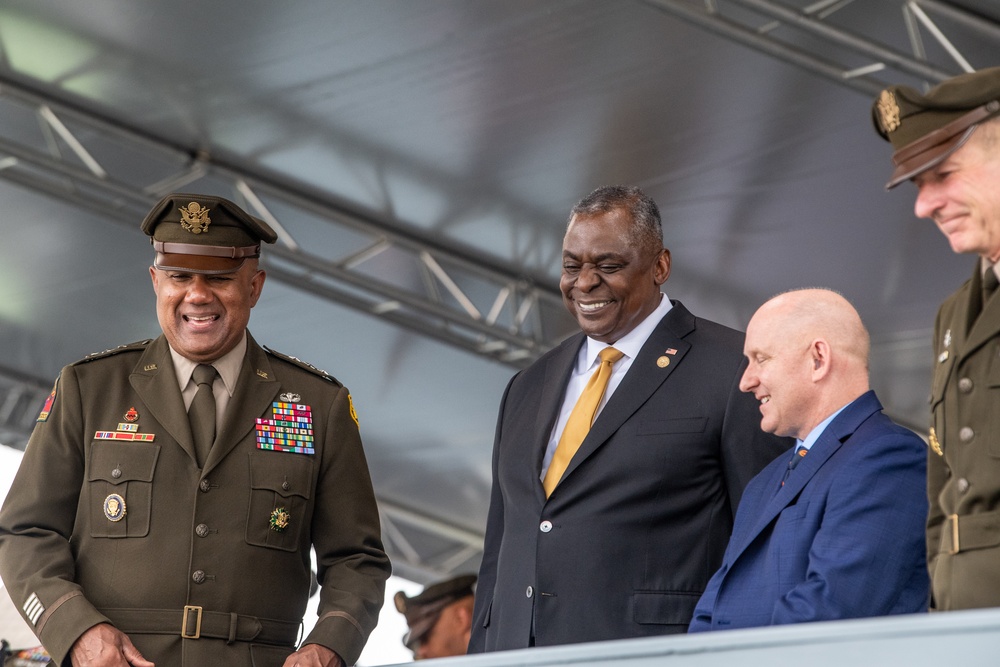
x=816, y=44
x=467, y=301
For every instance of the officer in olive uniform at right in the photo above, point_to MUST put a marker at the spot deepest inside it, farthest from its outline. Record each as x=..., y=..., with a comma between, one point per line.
x=947, y=141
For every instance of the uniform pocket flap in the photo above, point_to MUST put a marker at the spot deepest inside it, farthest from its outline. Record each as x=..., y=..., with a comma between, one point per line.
x=285, y=474
x=117, y=463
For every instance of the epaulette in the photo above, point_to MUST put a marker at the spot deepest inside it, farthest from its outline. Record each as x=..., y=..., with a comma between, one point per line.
x=138, y=345
x=301, y=364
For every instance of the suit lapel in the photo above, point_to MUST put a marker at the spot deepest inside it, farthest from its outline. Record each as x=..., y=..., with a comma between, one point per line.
x=838, y=431
x=256, y=389
x=155, y=381
x=644, y=377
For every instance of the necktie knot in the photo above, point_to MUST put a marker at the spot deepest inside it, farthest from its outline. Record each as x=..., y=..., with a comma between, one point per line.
x=610, y=355
x=990, y=282
x=204, y=374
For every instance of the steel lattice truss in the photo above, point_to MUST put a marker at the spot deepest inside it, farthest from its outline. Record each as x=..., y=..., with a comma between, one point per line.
x=858, y=58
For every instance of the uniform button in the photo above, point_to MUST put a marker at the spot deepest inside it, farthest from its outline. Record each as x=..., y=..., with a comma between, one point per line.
x=116, y=473
x=962, y=484
x=545, y=526
x=198, y=577
x=529, y=592
x=201, y=530
x=285, y=486
x=965, y=385
x=965, y=434
x=204, y=486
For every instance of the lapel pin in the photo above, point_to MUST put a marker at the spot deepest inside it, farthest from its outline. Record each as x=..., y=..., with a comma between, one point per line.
x=262, y=373
x=671, y=350
x=663, y=362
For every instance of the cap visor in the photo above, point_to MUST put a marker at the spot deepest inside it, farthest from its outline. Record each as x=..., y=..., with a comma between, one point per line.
x=915, y=164
x=197, y=263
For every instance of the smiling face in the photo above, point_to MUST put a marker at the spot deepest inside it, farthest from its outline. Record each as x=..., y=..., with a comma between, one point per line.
x=962, y=195
x=204, y=316
x=610, y=282
x=779, y=374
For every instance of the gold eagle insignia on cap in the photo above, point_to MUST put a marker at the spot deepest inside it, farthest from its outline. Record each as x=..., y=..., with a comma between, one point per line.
x=194, y=218
x=888, y=111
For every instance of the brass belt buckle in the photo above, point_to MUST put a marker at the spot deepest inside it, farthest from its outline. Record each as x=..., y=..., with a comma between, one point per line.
x=197, y=622
x=955, y=546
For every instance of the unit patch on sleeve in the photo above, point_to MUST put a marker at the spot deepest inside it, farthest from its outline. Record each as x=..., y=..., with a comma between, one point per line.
x=289, y=430
x=47, y=408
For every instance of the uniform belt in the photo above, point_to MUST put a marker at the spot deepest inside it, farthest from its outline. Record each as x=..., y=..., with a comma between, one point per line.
x=193, y=622
x=970, y=531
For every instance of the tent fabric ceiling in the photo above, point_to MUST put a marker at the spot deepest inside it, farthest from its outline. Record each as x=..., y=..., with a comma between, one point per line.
x=467, y=130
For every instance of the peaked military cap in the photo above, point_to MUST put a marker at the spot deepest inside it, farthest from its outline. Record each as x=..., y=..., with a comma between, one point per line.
x=203, y=234
x=925, y=128
x=422, y=611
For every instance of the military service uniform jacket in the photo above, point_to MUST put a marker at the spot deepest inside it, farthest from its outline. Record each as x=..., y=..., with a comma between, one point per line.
x=963, y=470
x=109, y=522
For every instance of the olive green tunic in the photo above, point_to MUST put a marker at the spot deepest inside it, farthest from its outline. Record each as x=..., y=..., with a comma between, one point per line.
x=110, y=519
x=963, y=471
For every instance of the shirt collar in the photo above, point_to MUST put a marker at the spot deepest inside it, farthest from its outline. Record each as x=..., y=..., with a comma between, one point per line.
x=632, y=342
x=817, y=431
x=228, y=366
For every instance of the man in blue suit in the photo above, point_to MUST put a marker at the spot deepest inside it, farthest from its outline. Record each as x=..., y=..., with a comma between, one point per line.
x=836, y=530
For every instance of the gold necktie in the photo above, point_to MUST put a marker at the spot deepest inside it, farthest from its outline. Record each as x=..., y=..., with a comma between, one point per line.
x=202, y=412
x=580, y=419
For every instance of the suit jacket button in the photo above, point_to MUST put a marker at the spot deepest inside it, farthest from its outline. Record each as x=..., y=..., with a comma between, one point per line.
x=205, y=486
x=545, y=526
x=198, y=577
x=965, y=434
x=201, y=530
x=962, y=484
x=529, y=592
x=965, y=385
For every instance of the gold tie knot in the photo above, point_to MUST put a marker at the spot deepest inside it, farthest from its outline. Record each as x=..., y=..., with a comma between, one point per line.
x=610, y=355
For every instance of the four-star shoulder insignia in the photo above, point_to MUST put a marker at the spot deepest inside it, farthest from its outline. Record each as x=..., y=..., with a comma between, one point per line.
x=138, y=345
x=302, y=364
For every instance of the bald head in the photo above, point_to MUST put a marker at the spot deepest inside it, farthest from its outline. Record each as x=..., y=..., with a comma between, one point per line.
x=807, y=353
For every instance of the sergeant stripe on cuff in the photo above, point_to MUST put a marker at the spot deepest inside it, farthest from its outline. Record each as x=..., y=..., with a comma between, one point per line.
x=33, y=609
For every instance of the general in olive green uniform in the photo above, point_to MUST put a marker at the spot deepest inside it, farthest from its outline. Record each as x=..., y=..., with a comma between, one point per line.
x=114, y=517
x=946, y=142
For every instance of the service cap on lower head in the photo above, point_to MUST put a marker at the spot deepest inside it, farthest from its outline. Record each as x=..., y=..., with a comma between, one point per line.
x=925, y=128
x=422, y=611
x=203, y=234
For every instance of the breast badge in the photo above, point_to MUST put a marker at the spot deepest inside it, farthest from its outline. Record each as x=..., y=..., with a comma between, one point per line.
x=279, y=519
x=114, y=507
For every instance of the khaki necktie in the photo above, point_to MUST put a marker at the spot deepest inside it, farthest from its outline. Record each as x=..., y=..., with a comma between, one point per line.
x=202, y=412
x=580, y=419
x=990, y=283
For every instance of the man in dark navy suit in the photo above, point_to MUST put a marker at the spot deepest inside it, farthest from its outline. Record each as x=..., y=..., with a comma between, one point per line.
x=835, y=530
